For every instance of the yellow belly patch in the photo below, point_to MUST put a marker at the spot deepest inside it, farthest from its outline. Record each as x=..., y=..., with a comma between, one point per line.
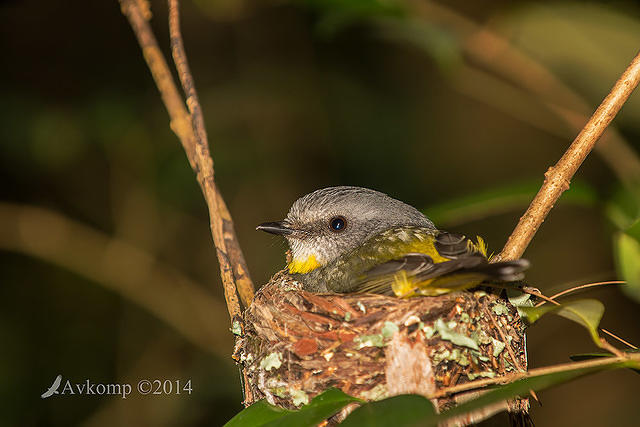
x=302, y=266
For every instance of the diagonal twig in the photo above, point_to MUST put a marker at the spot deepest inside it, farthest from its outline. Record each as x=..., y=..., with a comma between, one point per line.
x=222, y=229
x=581, y=287
x=614, y=336
x=508, y=378
x=557, y=178
x=494, y=52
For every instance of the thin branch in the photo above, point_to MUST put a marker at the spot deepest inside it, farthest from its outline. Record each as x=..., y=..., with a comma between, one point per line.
x=605, y=345
x=180, y=121
x=614, y=336
x=203, y=161
x=509, y=378
x=496, y=53
x=557, y=178
x=222, y=227
x=244, y=285
x=535, y=292
x=186, y=79
x=190, y=130
x=579, y=288
x=521, y=104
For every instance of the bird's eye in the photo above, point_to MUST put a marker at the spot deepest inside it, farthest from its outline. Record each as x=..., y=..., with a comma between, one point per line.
x=337, y=223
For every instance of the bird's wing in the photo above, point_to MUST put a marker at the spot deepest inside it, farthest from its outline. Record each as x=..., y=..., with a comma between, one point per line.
x=461, y=265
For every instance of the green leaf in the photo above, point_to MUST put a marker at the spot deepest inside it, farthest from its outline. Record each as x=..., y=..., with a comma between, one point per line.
x=414, y=410
x=532, y=314
x=403, y=410
x=586, y=312
x=518, y=298
x=258, y=414
x=627, y=249
x=537, y=383
x=321, y=407
x=499, y=200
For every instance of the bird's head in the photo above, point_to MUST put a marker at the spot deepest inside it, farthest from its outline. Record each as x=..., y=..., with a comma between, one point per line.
x=330, y=222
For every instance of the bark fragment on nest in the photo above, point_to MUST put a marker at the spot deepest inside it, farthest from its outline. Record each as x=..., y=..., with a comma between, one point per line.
x=297, y=344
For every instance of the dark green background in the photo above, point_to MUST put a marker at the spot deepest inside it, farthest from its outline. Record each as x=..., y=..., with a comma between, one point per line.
x=296, y=96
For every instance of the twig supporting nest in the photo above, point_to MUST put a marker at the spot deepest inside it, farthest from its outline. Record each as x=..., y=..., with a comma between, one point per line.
x=297, y=344
x=189, y=127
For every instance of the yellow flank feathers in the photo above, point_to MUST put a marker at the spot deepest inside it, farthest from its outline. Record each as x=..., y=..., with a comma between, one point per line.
x=302, y=266
x=426, y=246
x=481, y=246
x=402, y=285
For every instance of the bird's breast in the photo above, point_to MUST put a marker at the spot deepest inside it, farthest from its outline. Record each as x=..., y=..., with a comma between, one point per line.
x=303, y=265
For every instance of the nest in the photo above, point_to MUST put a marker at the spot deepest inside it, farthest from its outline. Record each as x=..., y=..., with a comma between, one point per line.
x=296, y=344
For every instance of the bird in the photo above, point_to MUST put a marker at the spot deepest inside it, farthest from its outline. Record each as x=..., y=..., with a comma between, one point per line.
x=53, y=389
x=350, y=239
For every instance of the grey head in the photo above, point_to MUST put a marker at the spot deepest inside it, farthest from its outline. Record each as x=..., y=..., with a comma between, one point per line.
x=332, y=221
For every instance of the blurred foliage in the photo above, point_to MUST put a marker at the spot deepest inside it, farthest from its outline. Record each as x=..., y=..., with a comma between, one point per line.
x=336, y=15
x=583, y=57
x=628, y=259
x=507, y=198
x=320, y=408
x=297, y=96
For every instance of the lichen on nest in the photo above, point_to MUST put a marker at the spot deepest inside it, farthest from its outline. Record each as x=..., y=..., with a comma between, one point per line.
x=297, y=344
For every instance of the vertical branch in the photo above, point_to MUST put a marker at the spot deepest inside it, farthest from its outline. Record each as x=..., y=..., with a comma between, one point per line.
x=223, y=229
x=179, y=118
x=190, y=130
x=557, y=178
x=184, y=73
x=203, y=161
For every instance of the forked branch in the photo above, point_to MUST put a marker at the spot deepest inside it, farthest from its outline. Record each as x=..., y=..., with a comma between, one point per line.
x=189, y=127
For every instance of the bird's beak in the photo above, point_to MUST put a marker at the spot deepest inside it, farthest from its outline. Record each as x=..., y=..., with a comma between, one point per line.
x=278, y=228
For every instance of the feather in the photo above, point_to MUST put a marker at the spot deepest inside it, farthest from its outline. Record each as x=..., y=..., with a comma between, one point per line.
x=460, y=264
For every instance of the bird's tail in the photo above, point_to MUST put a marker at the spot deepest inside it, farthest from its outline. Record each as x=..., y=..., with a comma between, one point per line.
x=504, y=271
